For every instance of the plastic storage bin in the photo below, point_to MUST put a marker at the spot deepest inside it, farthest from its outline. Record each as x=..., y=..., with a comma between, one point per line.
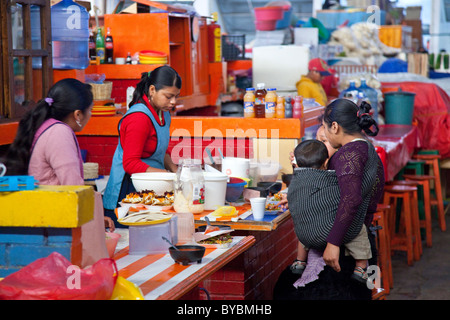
x=399, y=107
x=147, y=239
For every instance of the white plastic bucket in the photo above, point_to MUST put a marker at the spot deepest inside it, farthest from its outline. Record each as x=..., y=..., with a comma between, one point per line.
x=215, y=190
x=236, y=167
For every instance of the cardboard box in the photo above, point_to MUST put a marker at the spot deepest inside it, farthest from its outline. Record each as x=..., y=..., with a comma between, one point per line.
x=416, y=32
x=413, y=13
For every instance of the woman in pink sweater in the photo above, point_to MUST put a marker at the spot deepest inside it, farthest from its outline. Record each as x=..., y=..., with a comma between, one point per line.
x=46, y=147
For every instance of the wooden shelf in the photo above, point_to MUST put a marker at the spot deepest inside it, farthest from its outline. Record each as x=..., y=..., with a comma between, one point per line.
x=121, y=71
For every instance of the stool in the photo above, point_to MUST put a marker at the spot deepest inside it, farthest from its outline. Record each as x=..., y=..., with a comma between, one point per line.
x=383, y=245
x=424, y=181
x=410, y=241
x=433, y=161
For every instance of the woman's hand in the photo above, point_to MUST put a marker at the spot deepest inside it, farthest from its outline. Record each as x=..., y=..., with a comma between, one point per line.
x=283, y=204
x=109, y=224
x=331, y=256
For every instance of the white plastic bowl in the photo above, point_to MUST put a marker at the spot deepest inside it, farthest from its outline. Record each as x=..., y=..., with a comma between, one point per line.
x=159, y=182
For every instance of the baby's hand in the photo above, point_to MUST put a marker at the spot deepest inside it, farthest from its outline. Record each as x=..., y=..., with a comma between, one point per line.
x=283, y=204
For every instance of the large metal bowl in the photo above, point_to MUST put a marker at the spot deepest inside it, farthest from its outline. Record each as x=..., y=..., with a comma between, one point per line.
x=187, y=254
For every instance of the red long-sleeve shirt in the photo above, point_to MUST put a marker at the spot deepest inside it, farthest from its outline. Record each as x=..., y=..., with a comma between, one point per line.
x=138, y=139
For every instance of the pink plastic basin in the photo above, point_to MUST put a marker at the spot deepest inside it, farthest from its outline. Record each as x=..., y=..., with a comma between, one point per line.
x=269, y=13
x=265, y=25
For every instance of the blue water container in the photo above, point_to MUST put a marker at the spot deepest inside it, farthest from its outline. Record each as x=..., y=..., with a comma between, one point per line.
x=70, y=35
x=35, y=21
x=372, y=96
x=352, y=93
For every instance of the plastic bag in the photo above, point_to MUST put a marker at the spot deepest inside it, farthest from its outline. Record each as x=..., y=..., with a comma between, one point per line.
x=55, y=278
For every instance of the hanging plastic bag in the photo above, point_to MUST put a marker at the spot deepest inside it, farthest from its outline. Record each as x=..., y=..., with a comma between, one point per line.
x=55, y=278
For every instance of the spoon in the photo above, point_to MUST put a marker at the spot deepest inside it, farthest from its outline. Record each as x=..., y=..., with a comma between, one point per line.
x=210, y=155
x=165, y=239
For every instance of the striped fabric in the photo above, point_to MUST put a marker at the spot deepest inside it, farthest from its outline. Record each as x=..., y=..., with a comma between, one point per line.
x=314, y=196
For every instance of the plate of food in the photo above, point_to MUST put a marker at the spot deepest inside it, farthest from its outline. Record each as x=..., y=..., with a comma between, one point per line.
x=149, y=200
x=219, y=239
x=144, y=217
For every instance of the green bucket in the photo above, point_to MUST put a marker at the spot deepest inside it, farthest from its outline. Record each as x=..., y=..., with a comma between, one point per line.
x=399, y=107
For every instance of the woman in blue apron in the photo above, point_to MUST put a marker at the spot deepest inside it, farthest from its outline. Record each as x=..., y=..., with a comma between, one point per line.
x=143, y=135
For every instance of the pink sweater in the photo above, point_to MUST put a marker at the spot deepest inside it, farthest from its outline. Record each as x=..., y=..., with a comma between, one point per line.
x=56, y=159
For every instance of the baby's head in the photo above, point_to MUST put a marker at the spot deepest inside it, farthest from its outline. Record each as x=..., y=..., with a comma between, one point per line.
x=311, y=154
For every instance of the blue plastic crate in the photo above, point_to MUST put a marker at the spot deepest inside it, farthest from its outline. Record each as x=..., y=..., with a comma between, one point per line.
x=16, y=183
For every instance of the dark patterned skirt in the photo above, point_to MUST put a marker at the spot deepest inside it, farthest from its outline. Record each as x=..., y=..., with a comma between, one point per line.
x=331, y=285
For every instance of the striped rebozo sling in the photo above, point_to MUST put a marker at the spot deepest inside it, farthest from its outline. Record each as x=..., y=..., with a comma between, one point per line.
x=313, y=198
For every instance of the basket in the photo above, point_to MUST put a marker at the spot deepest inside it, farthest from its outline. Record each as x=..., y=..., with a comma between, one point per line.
x=233, y=47
x=102, y=91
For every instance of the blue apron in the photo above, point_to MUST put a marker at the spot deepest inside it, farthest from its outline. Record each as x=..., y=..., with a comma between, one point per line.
x=115, y=183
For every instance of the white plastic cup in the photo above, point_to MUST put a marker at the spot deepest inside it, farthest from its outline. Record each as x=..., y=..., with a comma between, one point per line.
x=258, y=208
x=215, y=190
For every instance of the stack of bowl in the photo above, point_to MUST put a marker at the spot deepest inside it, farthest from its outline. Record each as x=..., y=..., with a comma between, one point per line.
x=152, y=57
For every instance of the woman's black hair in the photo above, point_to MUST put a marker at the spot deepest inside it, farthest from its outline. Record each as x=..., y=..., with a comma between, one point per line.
x=311, y=154
x=161, y=77
x=350, y=117
x=63, y=98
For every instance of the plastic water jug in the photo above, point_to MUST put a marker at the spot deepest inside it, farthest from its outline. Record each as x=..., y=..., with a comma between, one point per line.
x=351, y=93
x=372, y=96
x=35, y=34
x=70, y=35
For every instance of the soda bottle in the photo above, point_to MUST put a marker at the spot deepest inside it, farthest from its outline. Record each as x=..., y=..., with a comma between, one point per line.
x=288, y=108
x=109, y=47
x=100, y=46
x=128, y=58
x=270, y=103
x=260, y=95
x=92, y=53
x=249, y=103
x=297, y=110
x=279, y=109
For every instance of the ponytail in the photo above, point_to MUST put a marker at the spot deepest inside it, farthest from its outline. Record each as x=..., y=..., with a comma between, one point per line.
x=63, y=98
x=366, y=121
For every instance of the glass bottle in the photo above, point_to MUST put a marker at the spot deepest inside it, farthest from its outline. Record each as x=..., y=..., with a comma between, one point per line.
x=128, y=58
x=288, y=107
x=249, y=103
x=260, y=96
x=92, y=53
x=297, y=110
x=100, y=46
x=279, y=109
x=270, y=103
x=109, y=47
x=189, y=187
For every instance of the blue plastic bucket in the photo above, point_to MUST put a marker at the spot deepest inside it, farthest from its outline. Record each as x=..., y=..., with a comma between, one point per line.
x=399, y=107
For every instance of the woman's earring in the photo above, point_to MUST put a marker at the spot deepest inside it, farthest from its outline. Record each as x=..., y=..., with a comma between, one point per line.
x=78, y=123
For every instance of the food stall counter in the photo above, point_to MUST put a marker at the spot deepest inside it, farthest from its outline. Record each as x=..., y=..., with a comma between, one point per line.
x=245, y=221
x=160, y=278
